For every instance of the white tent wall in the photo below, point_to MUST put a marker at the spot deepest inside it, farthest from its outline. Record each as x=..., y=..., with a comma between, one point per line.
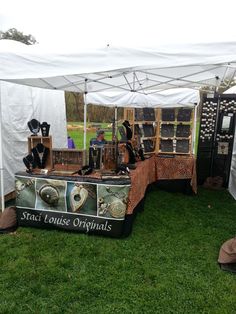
x=232, y=178
x=19, y=104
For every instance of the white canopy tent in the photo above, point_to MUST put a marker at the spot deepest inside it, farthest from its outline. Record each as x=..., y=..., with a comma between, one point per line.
x=138, y=73
x=120, y=69
x=18, y=105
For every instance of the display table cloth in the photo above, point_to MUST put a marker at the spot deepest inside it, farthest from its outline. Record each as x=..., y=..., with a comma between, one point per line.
x=141, y=177
x=177, y=167
x=92, y=204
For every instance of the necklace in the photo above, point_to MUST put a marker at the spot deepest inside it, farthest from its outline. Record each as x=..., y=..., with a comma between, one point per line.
x=40, y=155
x=34, y=126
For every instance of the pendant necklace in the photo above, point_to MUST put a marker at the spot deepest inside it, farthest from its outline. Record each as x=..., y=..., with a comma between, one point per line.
x=40, y=155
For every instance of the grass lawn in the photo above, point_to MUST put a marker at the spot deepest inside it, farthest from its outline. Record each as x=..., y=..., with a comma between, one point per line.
x=78, y=135
x=167, y=265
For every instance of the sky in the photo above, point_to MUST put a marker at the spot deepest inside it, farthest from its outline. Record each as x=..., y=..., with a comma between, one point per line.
x=131, y=23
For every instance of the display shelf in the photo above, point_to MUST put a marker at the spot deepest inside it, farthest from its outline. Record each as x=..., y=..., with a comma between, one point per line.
x=144, y=137
x=175, y=138
x=177, y=129
x=137, y=122
x=165, y=129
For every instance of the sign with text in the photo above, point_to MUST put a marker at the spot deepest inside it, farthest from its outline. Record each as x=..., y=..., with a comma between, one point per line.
x=71, y=205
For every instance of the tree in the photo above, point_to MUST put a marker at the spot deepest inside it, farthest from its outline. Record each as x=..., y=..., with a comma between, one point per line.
x=14, y=34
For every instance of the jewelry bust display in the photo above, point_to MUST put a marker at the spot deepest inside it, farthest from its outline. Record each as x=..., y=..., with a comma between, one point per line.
x=40, y=153
x=34, y=126
x=29, y=163
x=45, y=128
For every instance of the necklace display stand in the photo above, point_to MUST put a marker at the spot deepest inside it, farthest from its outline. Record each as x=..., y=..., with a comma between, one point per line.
x=40, y=153
x=41, y=147
x=45, y=128
x=34, y=126
x=29, y=163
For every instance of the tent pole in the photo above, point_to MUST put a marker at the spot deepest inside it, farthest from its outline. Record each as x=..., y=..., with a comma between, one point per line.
x=85, y=113
x=194, y=129
x=116, y=113
x=1, y=159
x=85, y=122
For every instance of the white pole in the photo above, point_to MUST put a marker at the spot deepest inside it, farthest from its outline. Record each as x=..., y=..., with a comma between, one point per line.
x=85, y=123
x=194, y=128
x=1, y=158
x=85, y=113
x=116, y=122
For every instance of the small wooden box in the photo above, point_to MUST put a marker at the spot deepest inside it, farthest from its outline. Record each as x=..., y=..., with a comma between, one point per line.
x=68, y=159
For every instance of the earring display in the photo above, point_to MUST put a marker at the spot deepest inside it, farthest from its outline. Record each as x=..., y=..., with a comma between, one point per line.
x=166, y=146
x=138, y=113
x=216, y=137
x=183, y=130
x=184, y=114
x=148, y=130
x=167, y=130
x=168, y=114
x=208, y=120
x=149, y=114
x=170, y=133
x=45, y=128
x=34, y=126
x=182, y=146
x=149, y=146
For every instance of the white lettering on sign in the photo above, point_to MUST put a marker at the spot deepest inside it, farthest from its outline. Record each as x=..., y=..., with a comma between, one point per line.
x=91, y=225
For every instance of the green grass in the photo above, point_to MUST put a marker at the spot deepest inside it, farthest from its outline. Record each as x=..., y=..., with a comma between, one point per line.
x=78, y=135
x=167, y=265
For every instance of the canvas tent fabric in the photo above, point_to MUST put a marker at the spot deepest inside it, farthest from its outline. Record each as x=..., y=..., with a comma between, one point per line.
x=177, y=97
x=141, y=70
x=19, y=104
x=232, y=178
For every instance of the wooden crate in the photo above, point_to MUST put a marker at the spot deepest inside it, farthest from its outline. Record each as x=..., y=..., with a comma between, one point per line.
x=47, y=142
x=68, y=159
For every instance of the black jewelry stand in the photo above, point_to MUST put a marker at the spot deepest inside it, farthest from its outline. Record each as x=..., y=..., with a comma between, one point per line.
x=45, y=128
x=34, y=126
x=129, y=132
x=40, y=153
x=29, y=162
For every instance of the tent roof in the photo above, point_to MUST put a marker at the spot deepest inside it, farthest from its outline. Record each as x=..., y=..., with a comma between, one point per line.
x=144, y=71
x=231, y=90
x=168, y=98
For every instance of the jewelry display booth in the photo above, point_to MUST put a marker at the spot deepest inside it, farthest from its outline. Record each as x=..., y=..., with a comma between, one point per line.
x=159, y=91
x=102, y=191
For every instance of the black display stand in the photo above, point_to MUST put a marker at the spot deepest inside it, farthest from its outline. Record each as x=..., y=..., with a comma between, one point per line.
x=216, y=138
